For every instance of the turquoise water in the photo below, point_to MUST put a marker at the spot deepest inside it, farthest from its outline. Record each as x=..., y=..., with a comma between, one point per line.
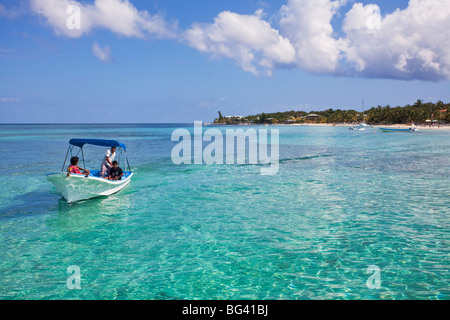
x=341, y=202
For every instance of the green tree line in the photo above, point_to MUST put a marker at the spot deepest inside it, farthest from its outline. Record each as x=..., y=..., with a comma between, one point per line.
x=419, y=112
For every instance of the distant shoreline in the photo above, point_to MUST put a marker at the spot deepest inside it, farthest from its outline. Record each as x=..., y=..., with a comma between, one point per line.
x=399, y=126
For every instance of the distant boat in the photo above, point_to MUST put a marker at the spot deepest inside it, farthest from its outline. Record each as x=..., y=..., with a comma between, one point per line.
x=357, y=128
x=78, y=187
x=363, y=125
x=397, y=129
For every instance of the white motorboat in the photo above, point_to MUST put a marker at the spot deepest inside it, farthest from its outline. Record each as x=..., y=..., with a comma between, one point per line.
x=76, y=187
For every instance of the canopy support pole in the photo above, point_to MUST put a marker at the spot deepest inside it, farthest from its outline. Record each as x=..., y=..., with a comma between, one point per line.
x=129, y=168
x=64, y=164
x=82, y=154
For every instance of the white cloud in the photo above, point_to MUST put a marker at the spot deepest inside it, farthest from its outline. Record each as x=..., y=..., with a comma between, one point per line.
x=118, y=16
x=305, y=38
x=248, y=39
x=407, y=44
x=307, y=24
x=103, y=54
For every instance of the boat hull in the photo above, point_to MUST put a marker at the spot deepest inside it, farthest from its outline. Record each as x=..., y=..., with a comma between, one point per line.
x=395, y=129
x=78, y=187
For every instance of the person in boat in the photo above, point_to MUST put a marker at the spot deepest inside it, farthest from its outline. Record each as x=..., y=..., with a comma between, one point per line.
x=74, y=168
x=107, y=162
x=116, y=172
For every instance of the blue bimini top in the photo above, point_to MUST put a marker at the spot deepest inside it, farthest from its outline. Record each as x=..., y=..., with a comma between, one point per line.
x=97, y=142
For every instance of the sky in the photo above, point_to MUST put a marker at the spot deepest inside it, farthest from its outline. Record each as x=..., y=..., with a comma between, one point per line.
x=146, y=61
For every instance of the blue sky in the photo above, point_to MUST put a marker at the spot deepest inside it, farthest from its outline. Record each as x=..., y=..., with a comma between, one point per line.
x=180, y=61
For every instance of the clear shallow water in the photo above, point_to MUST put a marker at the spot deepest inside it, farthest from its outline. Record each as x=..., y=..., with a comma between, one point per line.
x=341, y=201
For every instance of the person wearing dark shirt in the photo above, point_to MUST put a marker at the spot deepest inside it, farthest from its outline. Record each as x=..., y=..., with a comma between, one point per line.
x=116, y=172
